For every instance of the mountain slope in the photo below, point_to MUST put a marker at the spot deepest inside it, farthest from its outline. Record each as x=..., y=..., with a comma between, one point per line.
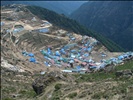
x=110, y=18
x=61, y=7
x=32, y=70
x=71, y=25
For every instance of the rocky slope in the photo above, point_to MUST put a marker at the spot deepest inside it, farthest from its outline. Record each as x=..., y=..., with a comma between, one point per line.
x=62, y=86
x=113, y=19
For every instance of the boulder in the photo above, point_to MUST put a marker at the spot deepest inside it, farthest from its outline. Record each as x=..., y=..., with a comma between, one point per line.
x=37, y=88
x=118, y=73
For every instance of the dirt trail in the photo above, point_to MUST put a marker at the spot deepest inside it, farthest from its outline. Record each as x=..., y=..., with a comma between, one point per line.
x=6, y=12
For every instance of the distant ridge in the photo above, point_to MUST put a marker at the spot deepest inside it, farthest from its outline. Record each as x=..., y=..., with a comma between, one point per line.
x=114, y=19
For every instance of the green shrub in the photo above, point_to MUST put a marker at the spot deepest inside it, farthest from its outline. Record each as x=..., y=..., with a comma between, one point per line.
x=97, y=95
x=72, y=95
x=57, y=87
x=56, y=95
x=130, y=98
x=29, y=93
x=56, y=98
x=22, y=92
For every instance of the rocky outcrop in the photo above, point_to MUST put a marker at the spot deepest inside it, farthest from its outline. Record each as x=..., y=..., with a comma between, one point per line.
x=124, y=73
x=43, y=81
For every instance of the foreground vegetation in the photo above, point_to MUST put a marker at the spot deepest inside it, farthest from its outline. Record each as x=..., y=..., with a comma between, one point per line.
x=19, y=86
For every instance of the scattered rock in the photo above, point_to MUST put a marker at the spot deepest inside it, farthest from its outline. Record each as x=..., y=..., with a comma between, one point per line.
x=127, y=72
x=15, y=95
x=124, y=73
x=118, y=73
x=130, y=88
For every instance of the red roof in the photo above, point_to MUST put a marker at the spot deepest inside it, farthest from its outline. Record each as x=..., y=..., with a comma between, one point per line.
x=52, y=61
x=65, y=64
x=83, y=47
x=91, y=64
x=49, y=46
x=76, y=60
x=84, y=63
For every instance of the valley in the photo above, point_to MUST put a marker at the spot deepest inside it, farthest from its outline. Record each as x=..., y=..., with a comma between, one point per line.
x=42, y=61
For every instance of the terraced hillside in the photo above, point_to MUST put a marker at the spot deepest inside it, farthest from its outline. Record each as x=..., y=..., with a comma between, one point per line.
x=14, y=43
x=41, y=61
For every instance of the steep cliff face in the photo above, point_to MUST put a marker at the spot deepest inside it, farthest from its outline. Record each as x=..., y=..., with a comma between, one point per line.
x=114, y=19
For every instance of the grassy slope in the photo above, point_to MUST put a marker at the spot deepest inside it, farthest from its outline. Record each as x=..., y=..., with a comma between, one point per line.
x=100, y=76
x=71, y=25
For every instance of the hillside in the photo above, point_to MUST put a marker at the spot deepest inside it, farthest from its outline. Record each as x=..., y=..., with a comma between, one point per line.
x=61, y=7
x=71, y=25
x=42, y=61
x=98, y=86
x=23, y=32
x=112, y=19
